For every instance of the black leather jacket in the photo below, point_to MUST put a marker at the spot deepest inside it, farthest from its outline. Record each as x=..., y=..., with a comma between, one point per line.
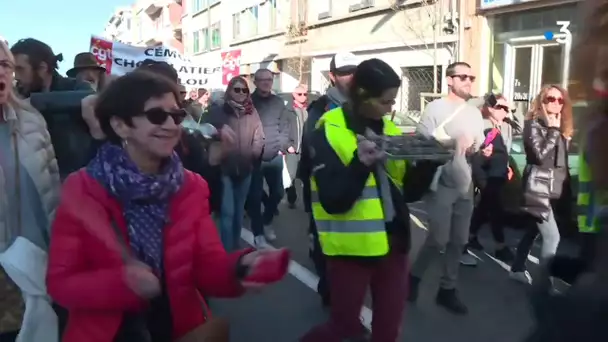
x=546, y=169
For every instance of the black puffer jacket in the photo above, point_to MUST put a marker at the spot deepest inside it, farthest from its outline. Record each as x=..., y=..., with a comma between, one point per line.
x=546, y=169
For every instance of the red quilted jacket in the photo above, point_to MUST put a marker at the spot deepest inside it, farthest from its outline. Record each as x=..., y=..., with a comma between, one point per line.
x=85, y=271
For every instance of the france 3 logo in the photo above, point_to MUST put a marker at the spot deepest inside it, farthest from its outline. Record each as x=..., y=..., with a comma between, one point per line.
x=565, y=36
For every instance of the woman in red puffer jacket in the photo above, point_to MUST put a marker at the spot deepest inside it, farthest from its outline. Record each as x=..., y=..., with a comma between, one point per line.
x=133, y=246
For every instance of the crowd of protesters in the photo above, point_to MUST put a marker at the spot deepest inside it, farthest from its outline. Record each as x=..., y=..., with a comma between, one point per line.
x=102, y=211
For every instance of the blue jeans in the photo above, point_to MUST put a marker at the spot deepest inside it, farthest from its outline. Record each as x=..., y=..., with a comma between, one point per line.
x=550, y=233
x=234, y=196
x=272, y=172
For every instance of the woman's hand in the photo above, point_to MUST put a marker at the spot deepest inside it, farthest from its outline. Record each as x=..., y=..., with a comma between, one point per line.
x=88, y=115
x=264, y=266
x=487, y=151
x=368, y=152
x=217, y=150
x=141, y=280
x=227, y=137
x=554, y=120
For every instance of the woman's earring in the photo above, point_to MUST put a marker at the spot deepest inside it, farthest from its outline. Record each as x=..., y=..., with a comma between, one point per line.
x=125, y=143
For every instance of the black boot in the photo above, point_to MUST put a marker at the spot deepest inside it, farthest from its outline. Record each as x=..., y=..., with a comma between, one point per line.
x=413, y=289
x=448, y=298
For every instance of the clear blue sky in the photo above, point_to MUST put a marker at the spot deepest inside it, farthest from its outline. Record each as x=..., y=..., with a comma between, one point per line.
x=65, y=25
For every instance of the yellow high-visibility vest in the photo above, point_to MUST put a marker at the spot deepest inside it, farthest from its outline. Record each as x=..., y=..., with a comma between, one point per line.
x=362, y=230
x=588, y=199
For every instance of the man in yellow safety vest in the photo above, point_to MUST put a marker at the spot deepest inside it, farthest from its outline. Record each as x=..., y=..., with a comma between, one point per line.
x=359, y=207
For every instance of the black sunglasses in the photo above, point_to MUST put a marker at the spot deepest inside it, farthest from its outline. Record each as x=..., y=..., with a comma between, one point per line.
x=241, y=90
x=158, y=116
x=503, y=107
x=464, y=77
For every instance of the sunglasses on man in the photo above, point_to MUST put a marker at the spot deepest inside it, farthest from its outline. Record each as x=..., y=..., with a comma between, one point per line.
x=464, y=77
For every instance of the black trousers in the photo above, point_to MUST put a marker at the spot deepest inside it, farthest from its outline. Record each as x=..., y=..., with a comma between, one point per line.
x=9, y=336
x=490, y=209
x=292, y=194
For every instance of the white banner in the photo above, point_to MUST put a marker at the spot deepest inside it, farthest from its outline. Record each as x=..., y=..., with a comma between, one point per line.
x=119, y=59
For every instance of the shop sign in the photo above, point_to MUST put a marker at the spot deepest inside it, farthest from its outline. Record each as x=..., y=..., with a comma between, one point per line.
x=488, y=4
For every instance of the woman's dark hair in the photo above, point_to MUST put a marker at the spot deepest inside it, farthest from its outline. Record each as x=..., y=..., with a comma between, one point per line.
x=371, y=79
x=160, y=68
x=126, y=96
x=37, y=52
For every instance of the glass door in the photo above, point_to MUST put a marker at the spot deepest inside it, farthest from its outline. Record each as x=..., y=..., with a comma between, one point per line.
x=530, y=66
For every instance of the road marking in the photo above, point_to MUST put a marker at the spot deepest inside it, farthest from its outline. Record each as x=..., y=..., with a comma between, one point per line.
x=309, y=279
x=421, y=225
x=418, y=222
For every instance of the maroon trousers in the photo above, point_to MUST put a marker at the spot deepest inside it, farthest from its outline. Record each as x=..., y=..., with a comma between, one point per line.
x=349, y=279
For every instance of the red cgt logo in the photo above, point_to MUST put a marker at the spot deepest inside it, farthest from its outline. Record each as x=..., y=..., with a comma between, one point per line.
x=102, y=50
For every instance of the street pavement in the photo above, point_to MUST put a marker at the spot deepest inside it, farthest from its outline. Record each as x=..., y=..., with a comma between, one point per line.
x=498, y=306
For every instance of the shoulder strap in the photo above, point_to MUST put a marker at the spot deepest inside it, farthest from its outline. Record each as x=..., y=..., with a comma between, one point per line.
x=451, y=117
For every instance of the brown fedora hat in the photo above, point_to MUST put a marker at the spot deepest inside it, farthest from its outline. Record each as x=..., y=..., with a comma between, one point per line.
x=84, y=60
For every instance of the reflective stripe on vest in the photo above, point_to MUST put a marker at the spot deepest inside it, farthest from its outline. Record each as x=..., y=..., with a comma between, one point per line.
x=361, y=231
x=585, y=201
x=589, y=201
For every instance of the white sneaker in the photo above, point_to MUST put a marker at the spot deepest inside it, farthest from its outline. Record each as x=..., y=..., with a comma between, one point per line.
x=522, y=277
x=260, y=242
x=269, y=233
x=467, y=259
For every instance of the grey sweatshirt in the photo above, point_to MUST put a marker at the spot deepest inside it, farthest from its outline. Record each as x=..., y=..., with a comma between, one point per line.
x=455, y=174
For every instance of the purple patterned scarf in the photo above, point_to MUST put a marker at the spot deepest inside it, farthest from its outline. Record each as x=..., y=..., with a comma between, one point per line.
x=145, y=198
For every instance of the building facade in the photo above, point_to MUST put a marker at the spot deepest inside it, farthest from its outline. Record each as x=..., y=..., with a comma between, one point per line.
x=529, y=46
x=205, y=27
x=296, y=39
x=119, y=26
x=148, y=23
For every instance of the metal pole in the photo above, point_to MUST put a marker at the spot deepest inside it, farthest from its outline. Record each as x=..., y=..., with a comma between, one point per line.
x=435, y=26
x=461, y=22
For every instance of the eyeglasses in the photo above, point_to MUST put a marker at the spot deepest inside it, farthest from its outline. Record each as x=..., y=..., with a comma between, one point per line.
x=464, y=77
x=158, y=116
x=264, y=79
x=240, y=90
x=502, y=107
x=551, y=99
x=301, y=94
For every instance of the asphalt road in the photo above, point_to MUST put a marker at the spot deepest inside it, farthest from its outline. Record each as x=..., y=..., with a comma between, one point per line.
x=498, y=306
